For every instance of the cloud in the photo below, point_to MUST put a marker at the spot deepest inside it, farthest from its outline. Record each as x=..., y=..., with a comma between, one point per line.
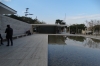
x=81, y=14
x=7, y=0
x=83, y=17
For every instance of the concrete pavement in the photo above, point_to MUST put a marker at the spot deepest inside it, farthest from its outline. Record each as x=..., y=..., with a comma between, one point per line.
x=27, y=51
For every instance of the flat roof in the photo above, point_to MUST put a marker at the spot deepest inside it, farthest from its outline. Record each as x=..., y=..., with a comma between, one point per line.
x=4, y=9
x=47, y=25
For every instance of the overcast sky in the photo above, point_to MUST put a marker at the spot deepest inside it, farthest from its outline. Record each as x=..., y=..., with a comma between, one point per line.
x=77, y=11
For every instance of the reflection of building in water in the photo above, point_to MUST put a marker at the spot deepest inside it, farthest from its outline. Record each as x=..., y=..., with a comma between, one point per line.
x=61, y=40
x=77, y=38
x=92, y=43
x=55, y=39
x=96, y=40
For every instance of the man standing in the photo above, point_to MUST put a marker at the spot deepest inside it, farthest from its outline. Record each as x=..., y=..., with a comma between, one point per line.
x=9, y=34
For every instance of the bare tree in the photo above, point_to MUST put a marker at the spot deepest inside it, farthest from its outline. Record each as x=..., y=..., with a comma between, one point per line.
x=94, y=25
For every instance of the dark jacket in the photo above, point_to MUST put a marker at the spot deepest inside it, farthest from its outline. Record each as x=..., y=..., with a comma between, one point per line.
x=9, y=31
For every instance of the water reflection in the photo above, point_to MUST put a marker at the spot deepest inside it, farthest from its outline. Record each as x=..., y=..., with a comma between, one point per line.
x=56, y=39
x=96, y=40
x=79, y=51
x=77, y=38
x=92, y=43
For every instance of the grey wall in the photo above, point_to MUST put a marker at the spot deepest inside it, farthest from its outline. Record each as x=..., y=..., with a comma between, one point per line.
x=19, y=27
x=46, y=29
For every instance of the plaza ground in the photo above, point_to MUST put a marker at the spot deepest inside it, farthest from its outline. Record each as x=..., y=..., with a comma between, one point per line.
x=29, y=50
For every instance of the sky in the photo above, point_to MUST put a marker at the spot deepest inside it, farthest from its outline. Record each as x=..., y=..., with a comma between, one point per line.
x=71, y=11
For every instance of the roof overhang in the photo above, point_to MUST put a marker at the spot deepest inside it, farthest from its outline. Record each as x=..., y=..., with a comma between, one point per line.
x=4, y=9
x=47, y=25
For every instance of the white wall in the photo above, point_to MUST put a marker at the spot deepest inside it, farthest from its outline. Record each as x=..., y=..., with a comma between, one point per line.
x=19, y=27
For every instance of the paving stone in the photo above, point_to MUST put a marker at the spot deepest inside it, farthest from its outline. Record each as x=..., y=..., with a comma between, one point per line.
x=26, y=51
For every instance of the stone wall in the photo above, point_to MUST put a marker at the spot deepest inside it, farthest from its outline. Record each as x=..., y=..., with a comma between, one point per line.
x=19, y=27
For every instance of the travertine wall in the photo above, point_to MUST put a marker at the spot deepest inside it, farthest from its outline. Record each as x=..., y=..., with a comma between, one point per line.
x=19, y=27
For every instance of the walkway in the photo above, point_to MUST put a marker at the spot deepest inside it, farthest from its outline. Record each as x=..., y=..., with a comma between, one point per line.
x=27, y=51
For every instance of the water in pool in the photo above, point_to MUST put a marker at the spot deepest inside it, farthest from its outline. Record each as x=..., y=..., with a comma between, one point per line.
x=73, y=51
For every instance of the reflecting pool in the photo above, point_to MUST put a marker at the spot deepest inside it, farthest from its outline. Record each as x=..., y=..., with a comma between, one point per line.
x=73, y=51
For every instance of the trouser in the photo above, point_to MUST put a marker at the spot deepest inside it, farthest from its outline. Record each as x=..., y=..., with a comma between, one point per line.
x=9, y=38
x=1, y=39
